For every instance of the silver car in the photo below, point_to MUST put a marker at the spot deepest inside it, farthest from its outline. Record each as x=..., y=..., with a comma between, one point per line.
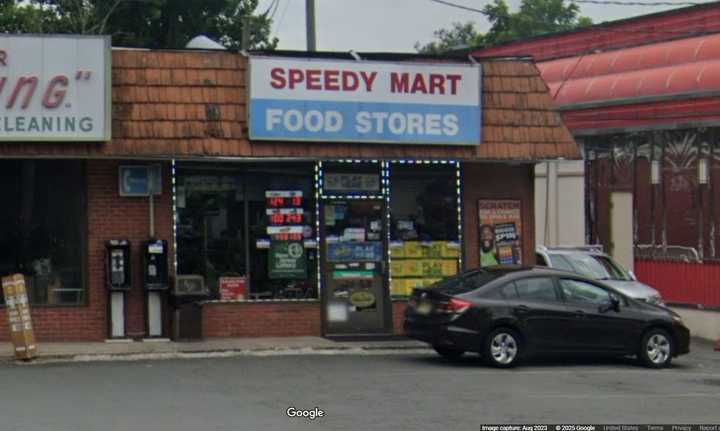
x=592, y=262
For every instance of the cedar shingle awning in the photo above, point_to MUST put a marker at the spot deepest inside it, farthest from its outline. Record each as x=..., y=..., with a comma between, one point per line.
x=193, y=104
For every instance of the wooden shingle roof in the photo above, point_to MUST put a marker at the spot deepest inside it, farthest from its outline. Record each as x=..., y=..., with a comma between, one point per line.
x=193, y=104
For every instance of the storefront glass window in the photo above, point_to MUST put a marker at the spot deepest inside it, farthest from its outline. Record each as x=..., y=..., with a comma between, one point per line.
x=42, y=228
x=424, y=236
x=283, y=248
x=211, y=224
x=248, y=224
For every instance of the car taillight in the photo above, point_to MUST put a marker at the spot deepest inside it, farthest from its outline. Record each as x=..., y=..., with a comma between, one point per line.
x=454, y=306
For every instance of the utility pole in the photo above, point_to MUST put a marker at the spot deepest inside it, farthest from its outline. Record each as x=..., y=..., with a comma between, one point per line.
x=310, y=24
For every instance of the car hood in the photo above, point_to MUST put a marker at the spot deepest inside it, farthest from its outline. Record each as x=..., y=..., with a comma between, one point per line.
x=633, y=289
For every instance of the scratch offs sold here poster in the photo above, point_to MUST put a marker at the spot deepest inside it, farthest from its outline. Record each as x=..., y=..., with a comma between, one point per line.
x=500, y=232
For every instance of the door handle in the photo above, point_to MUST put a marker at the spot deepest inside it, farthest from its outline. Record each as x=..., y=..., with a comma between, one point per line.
x=521, y=309
x=579, y=313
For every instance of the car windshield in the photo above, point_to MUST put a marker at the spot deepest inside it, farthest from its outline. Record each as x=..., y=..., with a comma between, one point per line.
x=593, y=266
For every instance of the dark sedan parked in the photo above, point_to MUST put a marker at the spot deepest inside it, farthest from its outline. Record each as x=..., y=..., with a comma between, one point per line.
x=506, y=313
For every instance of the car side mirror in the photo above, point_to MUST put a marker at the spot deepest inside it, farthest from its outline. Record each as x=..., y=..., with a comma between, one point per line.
x=632, y=276
x=612, y=305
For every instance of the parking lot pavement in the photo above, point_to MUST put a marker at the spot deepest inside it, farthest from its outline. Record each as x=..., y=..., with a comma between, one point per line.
x=400, y=391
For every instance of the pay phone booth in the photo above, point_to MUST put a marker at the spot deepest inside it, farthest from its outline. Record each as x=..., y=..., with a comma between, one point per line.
x=118, y=281
x=155, y=280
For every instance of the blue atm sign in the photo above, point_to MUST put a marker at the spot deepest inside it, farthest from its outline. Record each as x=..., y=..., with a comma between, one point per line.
x=139, y=180
x=344, y=101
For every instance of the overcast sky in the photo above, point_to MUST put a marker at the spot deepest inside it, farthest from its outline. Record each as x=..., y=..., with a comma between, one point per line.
x=396, y=25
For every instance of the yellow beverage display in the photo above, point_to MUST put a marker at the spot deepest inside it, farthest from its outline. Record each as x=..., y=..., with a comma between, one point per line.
x=397, y=249
x=450, y=249
x=412, y=268
x=397, y=268
x=449, y=267
x=413, y=249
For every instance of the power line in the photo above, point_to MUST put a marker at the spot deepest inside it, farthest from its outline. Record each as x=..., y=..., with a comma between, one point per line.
x=282, y=16
x=459, y=6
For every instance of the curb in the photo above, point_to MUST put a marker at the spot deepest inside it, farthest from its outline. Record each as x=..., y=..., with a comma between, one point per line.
x=220, y=353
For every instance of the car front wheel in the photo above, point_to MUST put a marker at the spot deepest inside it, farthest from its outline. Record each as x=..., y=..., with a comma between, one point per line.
x=656, y=349
x=502, y=348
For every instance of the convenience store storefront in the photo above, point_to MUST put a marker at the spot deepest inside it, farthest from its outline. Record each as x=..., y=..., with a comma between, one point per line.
x=355, y=235
x=321, y=233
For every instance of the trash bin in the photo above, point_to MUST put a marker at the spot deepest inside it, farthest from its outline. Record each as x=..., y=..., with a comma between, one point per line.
x=187, y=322
x=187, y=295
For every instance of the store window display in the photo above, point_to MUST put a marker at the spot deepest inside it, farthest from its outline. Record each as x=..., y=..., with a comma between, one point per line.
x=424, y=236
x=42, y=228
x=232, y=224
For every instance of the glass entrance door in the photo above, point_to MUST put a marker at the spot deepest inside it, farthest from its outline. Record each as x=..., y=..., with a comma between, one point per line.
x=354, y=267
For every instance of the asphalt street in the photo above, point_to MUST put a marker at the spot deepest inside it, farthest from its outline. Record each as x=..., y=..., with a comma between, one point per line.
x=376, y=391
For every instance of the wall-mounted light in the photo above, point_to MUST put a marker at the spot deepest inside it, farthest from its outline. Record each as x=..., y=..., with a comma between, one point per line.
x=702, y=171
x=655, y=172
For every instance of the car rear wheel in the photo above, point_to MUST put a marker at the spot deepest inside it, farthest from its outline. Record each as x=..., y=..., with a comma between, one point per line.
x=448, y=352
x=502, y=348
x=656, y=349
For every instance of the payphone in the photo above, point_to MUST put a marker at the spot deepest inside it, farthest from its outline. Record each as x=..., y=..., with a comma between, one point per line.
x=118, y=280
x=156, y=282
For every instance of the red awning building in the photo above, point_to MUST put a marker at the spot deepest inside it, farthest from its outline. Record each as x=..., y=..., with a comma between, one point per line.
x=642, y=97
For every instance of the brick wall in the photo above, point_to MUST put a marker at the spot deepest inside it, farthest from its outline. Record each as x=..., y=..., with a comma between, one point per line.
x=398, y=309
x=259, y=319
x=108, y=217
x=497, y=181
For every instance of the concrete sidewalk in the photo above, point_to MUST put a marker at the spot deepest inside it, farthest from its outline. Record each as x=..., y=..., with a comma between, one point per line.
x=137, y=350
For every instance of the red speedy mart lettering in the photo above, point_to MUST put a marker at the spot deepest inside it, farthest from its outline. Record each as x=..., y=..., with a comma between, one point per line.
x=353, y=81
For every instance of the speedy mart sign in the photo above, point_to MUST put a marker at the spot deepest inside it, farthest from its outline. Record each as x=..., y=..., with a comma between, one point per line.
x=54, y=88
x=364, y=101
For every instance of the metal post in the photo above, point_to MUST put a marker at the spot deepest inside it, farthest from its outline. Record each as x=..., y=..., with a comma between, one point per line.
x=663, y=190
x=711, y=178
x=152, y=214
x=310, y=25
x=245, y=41
x=653, y=191
x=699, y=191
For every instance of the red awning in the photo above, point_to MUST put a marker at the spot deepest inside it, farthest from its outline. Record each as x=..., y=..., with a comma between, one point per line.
x=668, y=72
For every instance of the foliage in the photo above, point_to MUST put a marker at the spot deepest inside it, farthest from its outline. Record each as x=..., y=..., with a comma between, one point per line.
x=142, y=23
x=534, y=17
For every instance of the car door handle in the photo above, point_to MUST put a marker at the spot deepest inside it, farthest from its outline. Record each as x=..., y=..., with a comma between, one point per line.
x=579, y=313
x=522, y=309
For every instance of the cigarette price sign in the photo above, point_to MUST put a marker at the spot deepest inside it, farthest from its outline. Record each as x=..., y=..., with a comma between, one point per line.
x=283, y=198
x=285, y=214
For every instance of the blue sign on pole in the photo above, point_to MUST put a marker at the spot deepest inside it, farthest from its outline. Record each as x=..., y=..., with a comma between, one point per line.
x=139, y=180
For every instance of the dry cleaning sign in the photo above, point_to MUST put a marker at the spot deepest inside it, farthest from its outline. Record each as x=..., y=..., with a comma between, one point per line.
x=364, y=101
x=54, y=88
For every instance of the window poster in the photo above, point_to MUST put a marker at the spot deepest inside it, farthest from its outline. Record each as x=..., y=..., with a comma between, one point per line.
x=500, y=232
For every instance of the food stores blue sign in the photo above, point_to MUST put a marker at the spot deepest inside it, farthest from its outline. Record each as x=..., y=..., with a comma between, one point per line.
x=364, y=101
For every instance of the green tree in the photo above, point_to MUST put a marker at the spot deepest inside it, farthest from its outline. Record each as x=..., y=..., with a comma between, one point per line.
x=458, y=37
x=534, y=17
x=143, y=23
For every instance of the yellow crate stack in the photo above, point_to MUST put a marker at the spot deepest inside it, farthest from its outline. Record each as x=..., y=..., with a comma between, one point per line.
x=421, y=264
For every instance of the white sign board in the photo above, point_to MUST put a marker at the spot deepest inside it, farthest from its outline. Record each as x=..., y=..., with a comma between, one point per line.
x=54, y=88
x=364, y=101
